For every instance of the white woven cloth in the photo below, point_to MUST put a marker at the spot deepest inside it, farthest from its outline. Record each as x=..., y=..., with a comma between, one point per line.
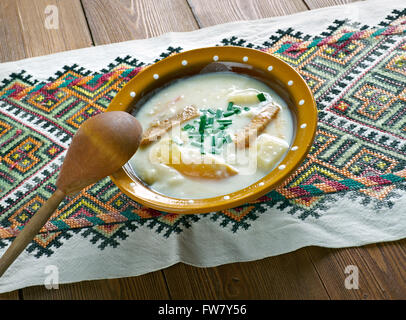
x=344, y=221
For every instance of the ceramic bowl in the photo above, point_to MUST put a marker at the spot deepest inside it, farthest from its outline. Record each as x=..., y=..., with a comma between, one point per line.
x=265, y=67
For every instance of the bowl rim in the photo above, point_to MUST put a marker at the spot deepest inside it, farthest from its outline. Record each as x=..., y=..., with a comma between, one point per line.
x=306, y=131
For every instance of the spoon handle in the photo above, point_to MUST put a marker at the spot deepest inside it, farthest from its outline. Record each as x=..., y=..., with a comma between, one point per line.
x=30, y=230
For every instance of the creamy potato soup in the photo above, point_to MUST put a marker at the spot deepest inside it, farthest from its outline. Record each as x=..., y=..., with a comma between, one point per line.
x=211, y=134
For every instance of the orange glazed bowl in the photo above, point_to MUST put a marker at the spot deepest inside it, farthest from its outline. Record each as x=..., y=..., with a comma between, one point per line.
x=272, y=71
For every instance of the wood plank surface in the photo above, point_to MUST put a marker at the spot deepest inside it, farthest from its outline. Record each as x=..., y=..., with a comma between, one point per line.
x=288, y=276
x=24, y=33
x=315, y=4
x=114, y=20
x=387, y=262
x=147, y=287
x=12, y=43
x=212, y=12
x=309, y=273
x=331, y=266
x=187, y=282
x=9, y=295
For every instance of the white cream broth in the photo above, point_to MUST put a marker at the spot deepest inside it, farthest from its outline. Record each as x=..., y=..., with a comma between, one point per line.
x=211, y=94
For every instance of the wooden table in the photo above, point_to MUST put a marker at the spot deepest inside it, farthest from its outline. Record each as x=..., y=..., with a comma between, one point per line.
x=308, y=273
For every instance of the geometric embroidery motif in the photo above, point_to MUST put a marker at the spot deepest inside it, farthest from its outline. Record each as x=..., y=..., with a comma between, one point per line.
x=360, y=145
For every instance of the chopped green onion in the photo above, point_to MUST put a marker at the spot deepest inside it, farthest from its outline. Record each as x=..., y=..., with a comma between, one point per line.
x=228, y=139
x=213, y=141
x=261, y=97
x=202, y=123
x=194, y=134
x=211, y=111
x=215, y=151
x=210, y=121
x=246, y=108
x=196, y=144
x=219, y=113
x=224, y=121
x=224, y=126
x=214, y=131
x=188, y=127
x=237, y=110
x=230, y=106
x=219, y=142
x=228, y=114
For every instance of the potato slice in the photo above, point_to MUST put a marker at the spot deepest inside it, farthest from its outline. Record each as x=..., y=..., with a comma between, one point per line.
x=159, y=128
x=256, y=125
x=270, y=150
x=158, y=173
x=190, y=163
x=149, y=175
x=247, y=96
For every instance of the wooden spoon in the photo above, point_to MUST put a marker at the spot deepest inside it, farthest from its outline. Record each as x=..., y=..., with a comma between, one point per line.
x=101, y=146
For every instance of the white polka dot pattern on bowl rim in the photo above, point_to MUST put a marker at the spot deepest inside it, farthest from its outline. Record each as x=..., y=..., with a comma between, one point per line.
x=191, y=201
x=156, y=76
x=270, y=68
x=245, y=59
x=226, y=197
x=304, y=125
x=216, y=58
x=261, y=184
x=281, y=167
x=301, y=102
x=294, y=148
x=132, y=94
x=290, y=82
x=184, y=62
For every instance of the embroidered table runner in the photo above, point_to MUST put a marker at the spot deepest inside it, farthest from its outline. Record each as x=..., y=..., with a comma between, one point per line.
x=349, y=191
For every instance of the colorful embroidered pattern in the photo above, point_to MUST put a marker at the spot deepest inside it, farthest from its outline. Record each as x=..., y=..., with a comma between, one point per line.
x=357, y=75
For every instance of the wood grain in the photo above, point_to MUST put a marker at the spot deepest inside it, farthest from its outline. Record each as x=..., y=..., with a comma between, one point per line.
x=24, y=34
x=331, y=264
x=13, y=295
x=187, y=282
x=12, y=41
x=310, y=273
x=147, y=287
x=315, y=4
x=288, y=276
x=120, y=20
x=387, y=262
x=212, y=12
